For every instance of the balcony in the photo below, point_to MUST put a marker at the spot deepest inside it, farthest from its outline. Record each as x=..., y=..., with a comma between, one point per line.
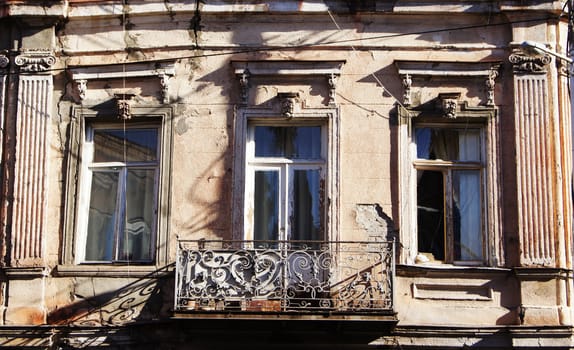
x=335, y=279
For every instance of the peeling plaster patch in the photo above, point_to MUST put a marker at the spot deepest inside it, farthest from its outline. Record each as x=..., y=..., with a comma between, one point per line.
x=372, y=219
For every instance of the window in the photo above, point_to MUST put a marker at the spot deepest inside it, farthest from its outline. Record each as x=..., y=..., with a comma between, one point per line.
x=119, y=193
x=449, y=194
x=285, y=183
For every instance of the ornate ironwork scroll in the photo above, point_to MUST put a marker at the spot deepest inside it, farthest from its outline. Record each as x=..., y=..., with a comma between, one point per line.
x=284, y=276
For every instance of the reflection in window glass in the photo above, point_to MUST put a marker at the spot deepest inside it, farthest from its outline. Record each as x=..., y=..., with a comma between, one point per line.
x=130, y=145
x=266, y=205
x=448, y=144
x=122, y=210
x=102, y=216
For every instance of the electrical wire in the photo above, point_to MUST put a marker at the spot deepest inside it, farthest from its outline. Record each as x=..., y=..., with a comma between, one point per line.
x=318, y=45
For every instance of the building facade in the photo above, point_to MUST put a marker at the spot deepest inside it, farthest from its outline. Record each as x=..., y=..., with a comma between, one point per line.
x=268, y=174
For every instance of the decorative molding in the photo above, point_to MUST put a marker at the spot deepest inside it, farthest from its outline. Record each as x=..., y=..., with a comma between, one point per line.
x=525, y=64
x=246, y=70
x=411, y=70
x=163, y=71
x=35, y=61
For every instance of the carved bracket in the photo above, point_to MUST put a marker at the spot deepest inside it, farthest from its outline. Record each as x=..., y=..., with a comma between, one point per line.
x=35, y=61
x=162, y=71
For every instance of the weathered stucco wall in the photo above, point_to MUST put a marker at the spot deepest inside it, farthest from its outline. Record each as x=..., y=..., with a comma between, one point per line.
x=205, y=94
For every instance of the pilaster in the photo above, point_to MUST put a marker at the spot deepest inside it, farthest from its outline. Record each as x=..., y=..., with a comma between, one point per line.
x=30, y=159
x=535, y=156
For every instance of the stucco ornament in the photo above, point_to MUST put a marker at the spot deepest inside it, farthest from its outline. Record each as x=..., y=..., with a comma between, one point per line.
x=124, y=105
x=35, y=61
x=523, y=63
x=4, y=60
x=288, y=101
x=449, y=104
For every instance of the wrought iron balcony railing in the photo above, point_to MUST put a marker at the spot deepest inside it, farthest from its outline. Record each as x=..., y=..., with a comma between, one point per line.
x=281, y=276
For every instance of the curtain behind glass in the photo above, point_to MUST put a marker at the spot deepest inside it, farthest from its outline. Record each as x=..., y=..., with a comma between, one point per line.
x=306, y=219
x=467, y=215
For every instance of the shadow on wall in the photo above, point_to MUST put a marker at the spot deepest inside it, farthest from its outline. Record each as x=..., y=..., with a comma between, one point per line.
x=146, y=298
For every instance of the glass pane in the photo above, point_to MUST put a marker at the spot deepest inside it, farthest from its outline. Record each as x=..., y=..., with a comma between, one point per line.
x=130, y=145
x=430, y=213
x=266, y=205
x=448, y=144
x=467, y=215
x=302, y=142
x=102, y=216
x=136, y=242
x=306, y=215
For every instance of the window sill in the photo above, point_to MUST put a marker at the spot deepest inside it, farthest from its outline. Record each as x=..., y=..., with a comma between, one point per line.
x=149, y=271
x=447, y=270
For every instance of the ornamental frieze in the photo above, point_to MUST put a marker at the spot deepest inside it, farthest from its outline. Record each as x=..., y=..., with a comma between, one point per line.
x=35, y=61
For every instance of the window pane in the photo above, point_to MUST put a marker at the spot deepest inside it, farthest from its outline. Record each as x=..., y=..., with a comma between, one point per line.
x=448, y=144
x=306, y=217
x=135, y=244
x=290, y=142
x=430, y=213
x=102, y=216
x=266, y=205
x=130, y=145
x=467, y=215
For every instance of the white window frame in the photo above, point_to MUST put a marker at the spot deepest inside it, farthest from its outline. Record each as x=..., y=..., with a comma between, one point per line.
x=86, y=173
x=328, y=118
x=285, y=168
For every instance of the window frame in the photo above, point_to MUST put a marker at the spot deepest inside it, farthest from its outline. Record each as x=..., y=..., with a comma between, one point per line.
x=71, y=262
x=447, y=168
x=89, y=167
x=485, y=116
x=285, y=166
x=328, y=118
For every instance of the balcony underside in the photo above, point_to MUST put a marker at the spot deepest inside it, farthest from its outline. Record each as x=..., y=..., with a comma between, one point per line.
x=286, y=280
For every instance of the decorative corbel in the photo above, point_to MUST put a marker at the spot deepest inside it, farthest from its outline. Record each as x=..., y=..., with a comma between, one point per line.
x=244, y=83
x=164, y=84
x=82, y=87
x=288, y=101
x=124, y=105
x=333, y=78
x=449, y=104
x=407, y=83
x=35, y=61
